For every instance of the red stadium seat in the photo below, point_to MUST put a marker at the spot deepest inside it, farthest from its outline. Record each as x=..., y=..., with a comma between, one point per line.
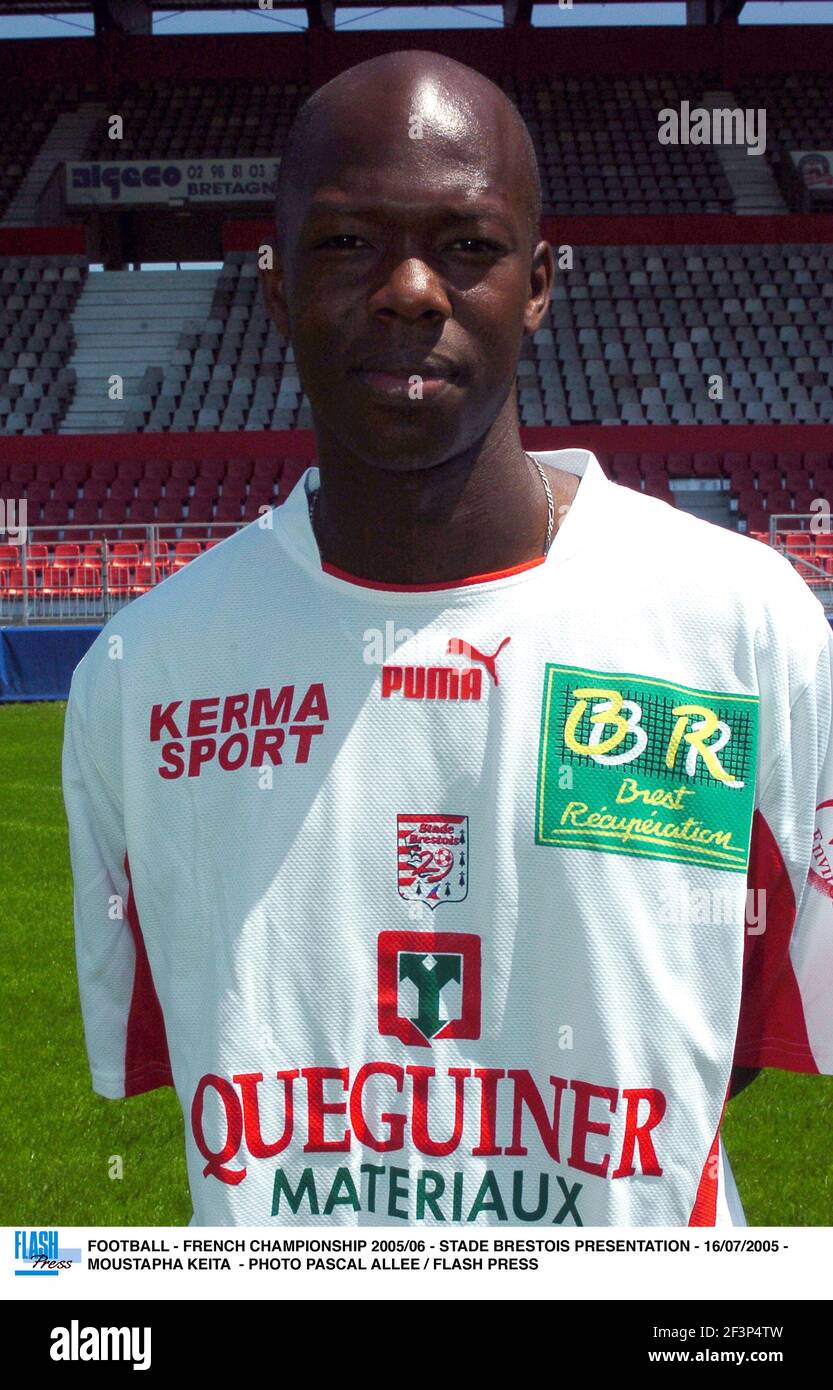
x=49, y=470
x=240, y=469
x=66, y=556
x=126, y=551
x=212, y=468
x=37, y=493
x=57, y=580
x=156, y=471
x=103, y=469
x=113, y=512
x=229, y=508
x=95, y=490
x=200, y=509
x=123, y=488
x=86, y=581
x=143, y=509
x=85, y=512
x=233, y=487
x=206, y=486
x=22, y=472
x=184, y=469
x=129, y=471
x=149, y=487
x=76, y=471
x=37, y=558
x=292, y=470
x=142, y=579
x=120, y=579
x=170, y=511
x=65, y=491
x=11, y=581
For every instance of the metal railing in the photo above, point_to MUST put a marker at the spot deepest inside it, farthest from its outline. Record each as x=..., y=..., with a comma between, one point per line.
x=810, y=566
x=79, y=578
x=46, y=586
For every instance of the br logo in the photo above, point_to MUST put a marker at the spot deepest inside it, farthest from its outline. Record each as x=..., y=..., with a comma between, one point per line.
x=429, y=986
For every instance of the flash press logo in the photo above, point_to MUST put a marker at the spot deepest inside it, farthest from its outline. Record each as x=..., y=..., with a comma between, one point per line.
x=76, y=1343
x=38, y=1253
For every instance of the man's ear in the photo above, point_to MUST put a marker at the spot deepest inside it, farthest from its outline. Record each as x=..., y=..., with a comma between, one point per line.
x=542, y=275
x=270, y=269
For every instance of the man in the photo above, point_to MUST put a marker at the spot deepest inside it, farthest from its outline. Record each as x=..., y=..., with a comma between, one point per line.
x=433, y=798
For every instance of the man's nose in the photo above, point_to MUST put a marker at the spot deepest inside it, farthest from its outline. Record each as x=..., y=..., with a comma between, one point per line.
x=411, y=288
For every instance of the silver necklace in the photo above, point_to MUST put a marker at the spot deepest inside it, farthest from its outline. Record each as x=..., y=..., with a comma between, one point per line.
x=544, y=480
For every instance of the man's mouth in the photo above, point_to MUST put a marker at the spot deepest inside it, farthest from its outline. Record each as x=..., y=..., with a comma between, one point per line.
x=412, y=383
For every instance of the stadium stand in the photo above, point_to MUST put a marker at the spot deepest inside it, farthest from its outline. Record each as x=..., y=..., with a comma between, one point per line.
x=213, y=426
x=596, y=142
x=635, y=336
x=207, y=120
x=799, y=114
x=595, y=136
x=26, y=117
x=37, y=295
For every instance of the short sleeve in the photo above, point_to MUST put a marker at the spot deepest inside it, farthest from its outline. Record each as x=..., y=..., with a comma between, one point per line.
x=786, y=1016
x=123, y=1025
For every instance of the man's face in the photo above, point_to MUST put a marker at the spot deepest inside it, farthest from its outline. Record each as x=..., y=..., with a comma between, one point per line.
x=408, y=258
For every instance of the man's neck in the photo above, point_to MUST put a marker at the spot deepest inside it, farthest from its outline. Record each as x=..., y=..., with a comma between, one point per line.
x=436, y=525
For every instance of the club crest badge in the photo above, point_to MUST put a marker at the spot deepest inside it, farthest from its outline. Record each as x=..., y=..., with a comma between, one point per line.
x=433, y=858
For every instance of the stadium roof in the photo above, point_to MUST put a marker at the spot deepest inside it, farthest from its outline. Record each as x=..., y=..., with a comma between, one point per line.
x=57, y=7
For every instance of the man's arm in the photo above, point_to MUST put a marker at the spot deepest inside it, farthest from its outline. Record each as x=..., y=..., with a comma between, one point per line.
x=786, y=1016
x=124, y=1034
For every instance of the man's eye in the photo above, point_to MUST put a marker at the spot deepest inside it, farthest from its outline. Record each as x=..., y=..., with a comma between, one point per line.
x=343, y=236
x=476, y=245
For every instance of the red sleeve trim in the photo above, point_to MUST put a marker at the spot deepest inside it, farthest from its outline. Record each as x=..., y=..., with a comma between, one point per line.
x=704, y=1211
x=772, y=1031
x=147, y=1064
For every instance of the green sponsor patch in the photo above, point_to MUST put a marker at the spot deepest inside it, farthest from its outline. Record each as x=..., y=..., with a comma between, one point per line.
x=632, y=765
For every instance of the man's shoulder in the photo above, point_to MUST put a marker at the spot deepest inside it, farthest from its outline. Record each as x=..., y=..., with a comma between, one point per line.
x=187, y=603
x=716, y=570
x=693, y=540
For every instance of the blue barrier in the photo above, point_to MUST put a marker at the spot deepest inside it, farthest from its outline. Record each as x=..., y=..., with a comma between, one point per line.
x=36, y=663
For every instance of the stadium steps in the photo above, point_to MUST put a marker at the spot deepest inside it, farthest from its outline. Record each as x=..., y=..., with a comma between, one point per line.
x=750, y=176
x=67, y=140
x=708, y=502
x=125, y=322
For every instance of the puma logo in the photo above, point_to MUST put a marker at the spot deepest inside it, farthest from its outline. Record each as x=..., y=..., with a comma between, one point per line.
x=458, y=647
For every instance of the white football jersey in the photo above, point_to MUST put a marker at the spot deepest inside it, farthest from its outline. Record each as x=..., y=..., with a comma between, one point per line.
x=454, y=904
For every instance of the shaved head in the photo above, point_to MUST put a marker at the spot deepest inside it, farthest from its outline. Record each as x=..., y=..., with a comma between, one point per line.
x=425, y=86
x=409, y=263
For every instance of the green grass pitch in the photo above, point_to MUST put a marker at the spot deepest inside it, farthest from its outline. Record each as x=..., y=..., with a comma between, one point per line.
x=61, y=1140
